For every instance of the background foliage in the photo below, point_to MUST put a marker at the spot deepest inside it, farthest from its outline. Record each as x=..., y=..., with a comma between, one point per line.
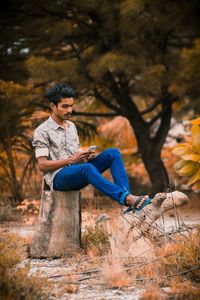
x=189, y=154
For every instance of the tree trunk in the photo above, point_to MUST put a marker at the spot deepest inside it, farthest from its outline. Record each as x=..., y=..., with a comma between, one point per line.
x=15, y=186
x=151, y=157
x=150, y=148
x=58, y=231
x=156, y=170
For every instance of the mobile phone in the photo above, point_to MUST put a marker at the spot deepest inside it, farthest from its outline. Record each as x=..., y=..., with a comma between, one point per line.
x=92, y=148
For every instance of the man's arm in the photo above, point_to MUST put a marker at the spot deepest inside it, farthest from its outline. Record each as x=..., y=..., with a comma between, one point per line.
x=46, y=165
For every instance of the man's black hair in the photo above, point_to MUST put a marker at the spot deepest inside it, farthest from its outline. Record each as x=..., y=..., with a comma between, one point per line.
x=59, y=91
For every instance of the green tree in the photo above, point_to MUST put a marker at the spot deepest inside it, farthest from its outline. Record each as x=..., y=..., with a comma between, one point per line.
x=117, y=53
x=14, y=136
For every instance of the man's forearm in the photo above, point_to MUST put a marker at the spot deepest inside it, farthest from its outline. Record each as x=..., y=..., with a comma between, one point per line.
x=46, y=165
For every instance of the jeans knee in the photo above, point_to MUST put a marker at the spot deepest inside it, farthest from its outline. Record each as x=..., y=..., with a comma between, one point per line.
x=87, y=169
x=114, y=152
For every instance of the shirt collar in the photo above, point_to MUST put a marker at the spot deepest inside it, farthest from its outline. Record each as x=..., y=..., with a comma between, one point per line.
x=54, y=124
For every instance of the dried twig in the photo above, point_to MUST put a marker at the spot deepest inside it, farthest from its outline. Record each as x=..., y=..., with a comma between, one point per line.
x=171, y=275
x=183, y=272
x=157, y=228
x=76, y=273
x=98, y=270
x=141, y=279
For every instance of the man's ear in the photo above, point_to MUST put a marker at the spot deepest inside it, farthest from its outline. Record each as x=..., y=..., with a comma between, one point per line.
x=52, y=106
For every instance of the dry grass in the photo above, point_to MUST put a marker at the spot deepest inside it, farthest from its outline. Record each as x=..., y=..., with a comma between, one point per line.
x=113, y=273
x=95, y=241
x=66, y=286
x=187, y=256
x=12, y=250
x=162, y=266
x=170, y=260
x=100, y=240
x=9, y=214
x=15, y=282
x=153, y=292
x=181, y=290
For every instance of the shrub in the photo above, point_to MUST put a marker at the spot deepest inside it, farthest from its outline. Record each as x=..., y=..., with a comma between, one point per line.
x=187, y=256
x=96, y=239
x=14, y=281
x=113, y=273
x=183, y=290
x=9, y=214
x=153, y=292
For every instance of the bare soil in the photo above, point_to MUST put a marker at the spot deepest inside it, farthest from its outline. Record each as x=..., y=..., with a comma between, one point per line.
x=69, y=276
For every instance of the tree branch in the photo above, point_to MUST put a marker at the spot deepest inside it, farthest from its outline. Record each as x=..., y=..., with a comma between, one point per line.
x=82, y=113
x=165, y=114
x=97, y=94
x=165, y=107
x=26, y=168
x=37, y=85
x=101, y=98
x=151, y=107
x=88, y=114
x=114, y=88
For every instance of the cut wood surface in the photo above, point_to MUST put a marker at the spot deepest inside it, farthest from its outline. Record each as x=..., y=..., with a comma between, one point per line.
x=59, y=225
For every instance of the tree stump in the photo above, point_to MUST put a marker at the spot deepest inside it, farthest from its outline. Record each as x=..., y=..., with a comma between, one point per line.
x=58, y=231
x=141, y=225
x=162, y=202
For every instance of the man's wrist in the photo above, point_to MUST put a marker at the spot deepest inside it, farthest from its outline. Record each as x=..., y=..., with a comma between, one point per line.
x=68, y=161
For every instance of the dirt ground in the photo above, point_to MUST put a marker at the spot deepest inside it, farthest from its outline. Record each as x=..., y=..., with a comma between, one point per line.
x=93, y=284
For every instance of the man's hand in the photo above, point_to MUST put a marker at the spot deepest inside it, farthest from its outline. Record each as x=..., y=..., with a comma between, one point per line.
x=92, y=155
x=46, y=165
x=80, y=156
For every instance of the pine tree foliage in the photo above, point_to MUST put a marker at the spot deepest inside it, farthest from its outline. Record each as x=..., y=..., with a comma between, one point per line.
x=116, y=52
x=188, y=79
x=15, y=126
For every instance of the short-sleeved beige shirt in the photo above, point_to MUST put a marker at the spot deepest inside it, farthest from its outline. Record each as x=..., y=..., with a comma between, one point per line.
x=56, y=143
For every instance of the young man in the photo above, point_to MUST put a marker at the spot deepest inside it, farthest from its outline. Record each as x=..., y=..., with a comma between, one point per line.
x=65, y=166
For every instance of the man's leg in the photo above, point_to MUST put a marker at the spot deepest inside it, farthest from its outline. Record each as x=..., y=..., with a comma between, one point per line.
x=112, y=159
x=77, y=176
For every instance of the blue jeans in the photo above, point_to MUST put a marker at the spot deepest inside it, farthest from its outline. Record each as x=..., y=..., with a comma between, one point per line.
x=77, y=176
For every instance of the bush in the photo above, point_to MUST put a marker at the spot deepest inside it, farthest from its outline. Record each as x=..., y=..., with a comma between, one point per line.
x=187, y=256
x=9, y=214
x=96, y=239
x=183, y=290
x=15, y=282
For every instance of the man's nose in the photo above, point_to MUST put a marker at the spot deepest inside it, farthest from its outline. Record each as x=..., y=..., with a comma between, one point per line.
x=69, y=109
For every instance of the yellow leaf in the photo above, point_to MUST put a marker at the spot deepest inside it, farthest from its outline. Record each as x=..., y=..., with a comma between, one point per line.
x=180, y=164
x=196, y=186
x=189, y=169
x=196, y=121
x=196, y=136
x=195, y=177
x=196, y=149
x=182, y=149
x=193, y=157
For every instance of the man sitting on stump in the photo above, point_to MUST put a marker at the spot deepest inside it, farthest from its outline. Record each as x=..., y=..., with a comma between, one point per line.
x=65, y=166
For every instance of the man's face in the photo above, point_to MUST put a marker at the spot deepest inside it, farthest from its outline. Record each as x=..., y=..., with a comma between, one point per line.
x=64, y=108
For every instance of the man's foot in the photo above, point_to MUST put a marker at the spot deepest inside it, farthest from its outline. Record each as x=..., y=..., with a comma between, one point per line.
x=136, y=201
